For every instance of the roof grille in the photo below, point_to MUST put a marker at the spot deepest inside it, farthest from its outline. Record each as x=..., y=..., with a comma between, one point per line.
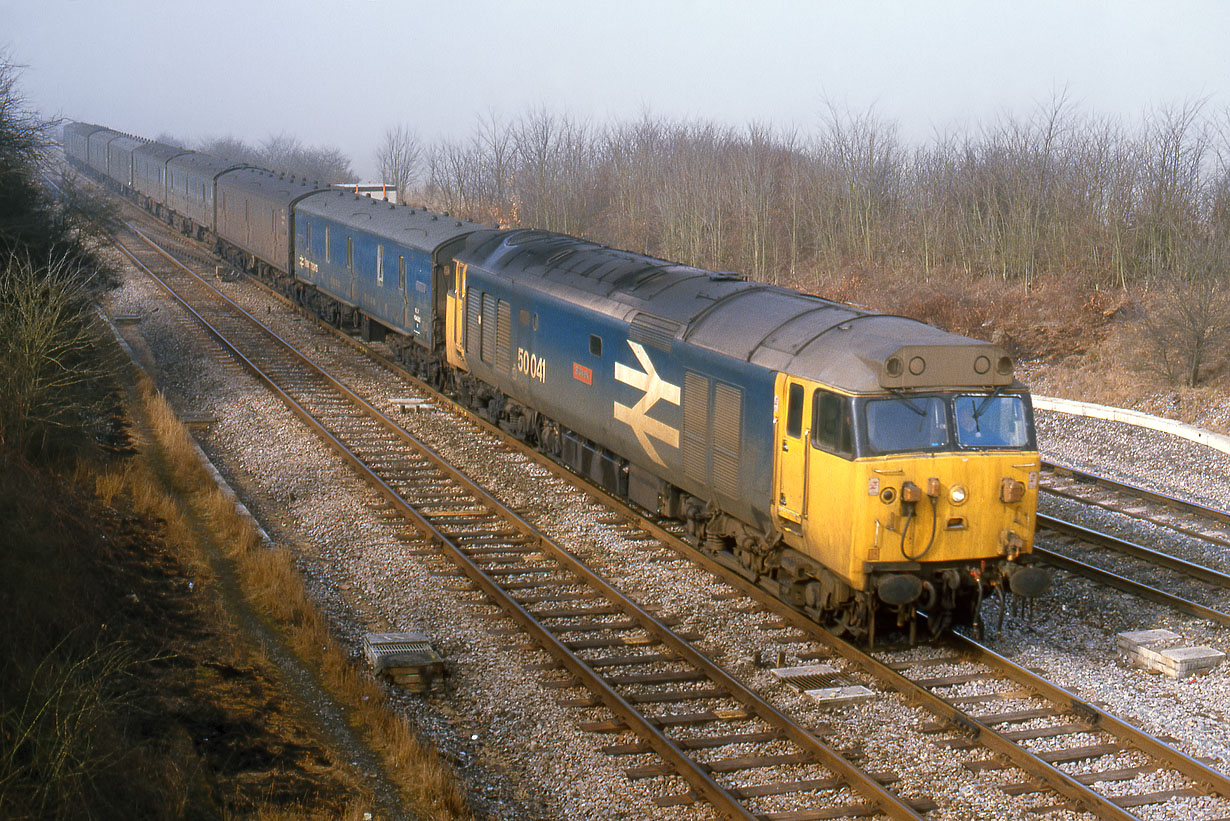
x=653, y=331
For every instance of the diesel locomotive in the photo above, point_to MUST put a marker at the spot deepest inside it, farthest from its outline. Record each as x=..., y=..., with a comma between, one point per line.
x=863, y=467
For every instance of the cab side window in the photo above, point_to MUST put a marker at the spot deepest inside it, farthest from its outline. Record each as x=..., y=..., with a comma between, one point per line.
x=794, y=412
x=832, y=426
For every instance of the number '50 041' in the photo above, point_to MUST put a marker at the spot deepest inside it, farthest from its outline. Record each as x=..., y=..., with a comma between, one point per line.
x=532, y=365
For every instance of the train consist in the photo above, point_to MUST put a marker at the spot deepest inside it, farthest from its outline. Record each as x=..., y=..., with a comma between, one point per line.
x=861, y=466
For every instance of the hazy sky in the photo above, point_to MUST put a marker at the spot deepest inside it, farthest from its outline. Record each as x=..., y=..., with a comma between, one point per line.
x=339, y=72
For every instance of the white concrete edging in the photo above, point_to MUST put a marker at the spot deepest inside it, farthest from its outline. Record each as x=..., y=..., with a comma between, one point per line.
x=1217, y=441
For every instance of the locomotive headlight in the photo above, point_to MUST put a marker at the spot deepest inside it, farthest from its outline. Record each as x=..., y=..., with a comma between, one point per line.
x=956, y=494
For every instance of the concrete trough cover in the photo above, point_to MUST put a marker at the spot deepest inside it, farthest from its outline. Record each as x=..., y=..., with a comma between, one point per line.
x=412, y=403
x=406, y=658
x=1162, y=651
x=1191, y=659
x=198, y=420
x=1144, y=638
x=823, y=684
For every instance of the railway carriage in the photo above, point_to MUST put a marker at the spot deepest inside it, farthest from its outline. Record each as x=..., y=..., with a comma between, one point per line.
x=77, y=141
x=254, y=218
x=96, y=144
x=120, y=160
x=149, y=175
x=190, y=191
x=383, y=264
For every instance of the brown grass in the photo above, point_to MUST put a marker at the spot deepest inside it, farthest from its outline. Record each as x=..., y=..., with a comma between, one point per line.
x=271, y=583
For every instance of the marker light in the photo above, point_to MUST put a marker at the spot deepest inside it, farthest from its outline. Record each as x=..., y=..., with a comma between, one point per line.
x=956, y=494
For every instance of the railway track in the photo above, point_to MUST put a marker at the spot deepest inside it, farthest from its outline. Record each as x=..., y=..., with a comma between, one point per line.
x=1208, y=524
x=997, y=731
x=704, y=725
x=1157, y=575
x=1072, y=729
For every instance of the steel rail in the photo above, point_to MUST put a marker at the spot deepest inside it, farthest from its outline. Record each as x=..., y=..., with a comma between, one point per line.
x=697, y=777
x=1196, y=571
x=1127, y=585
x=1051, y=776
x=1166, y=500
x=1098, y=718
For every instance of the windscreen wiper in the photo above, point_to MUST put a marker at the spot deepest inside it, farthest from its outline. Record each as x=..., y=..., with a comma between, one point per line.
x=982, y=406
x=909, y=403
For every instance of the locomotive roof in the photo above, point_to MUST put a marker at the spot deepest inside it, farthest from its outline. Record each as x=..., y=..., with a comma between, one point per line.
x=781, y=329
x=412, y=227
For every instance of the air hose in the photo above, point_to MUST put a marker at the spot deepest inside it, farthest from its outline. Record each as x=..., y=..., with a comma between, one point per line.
x=931, y=542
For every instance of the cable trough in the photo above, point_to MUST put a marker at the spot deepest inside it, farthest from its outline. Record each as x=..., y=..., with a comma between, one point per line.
x=705, y=726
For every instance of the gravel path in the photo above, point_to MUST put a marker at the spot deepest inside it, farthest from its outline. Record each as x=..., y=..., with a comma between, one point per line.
x=520, y=751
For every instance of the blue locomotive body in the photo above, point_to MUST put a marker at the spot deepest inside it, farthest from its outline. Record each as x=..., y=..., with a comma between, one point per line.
x=639, y=409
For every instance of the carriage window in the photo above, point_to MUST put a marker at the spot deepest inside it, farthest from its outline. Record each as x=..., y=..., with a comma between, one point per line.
x=794, y=411
x=595, y=345
x=307, y=232
x=832, y=427
x=380, y=265
x=401, y=272
x=349, y=253
x=328, y=250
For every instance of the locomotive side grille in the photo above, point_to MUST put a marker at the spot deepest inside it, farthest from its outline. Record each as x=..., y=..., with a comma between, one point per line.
x=727, y=436
x=503, y=337
x=473, y=323
x=653, y=331
x=488, y=325
x=695, y=428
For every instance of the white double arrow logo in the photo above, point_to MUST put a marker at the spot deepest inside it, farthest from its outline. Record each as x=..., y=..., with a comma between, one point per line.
x=637, y=416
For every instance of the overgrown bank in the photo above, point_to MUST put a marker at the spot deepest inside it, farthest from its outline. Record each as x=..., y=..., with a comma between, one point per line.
x=131, y=684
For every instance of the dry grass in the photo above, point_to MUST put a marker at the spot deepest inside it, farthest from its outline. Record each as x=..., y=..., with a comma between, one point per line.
x=272, y=584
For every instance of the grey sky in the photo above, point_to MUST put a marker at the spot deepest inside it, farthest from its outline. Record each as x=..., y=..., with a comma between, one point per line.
x=338, y=72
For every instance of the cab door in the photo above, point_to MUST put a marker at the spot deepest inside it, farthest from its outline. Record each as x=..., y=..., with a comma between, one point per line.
x=455, y=319
x=790, y=477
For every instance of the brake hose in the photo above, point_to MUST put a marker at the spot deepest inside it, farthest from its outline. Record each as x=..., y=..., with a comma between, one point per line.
x=930, y=543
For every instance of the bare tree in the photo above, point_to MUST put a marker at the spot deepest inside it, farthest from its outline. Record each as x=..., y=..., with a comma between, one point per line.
x=398, y=158
x=1187, y=323
x=286, y=154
